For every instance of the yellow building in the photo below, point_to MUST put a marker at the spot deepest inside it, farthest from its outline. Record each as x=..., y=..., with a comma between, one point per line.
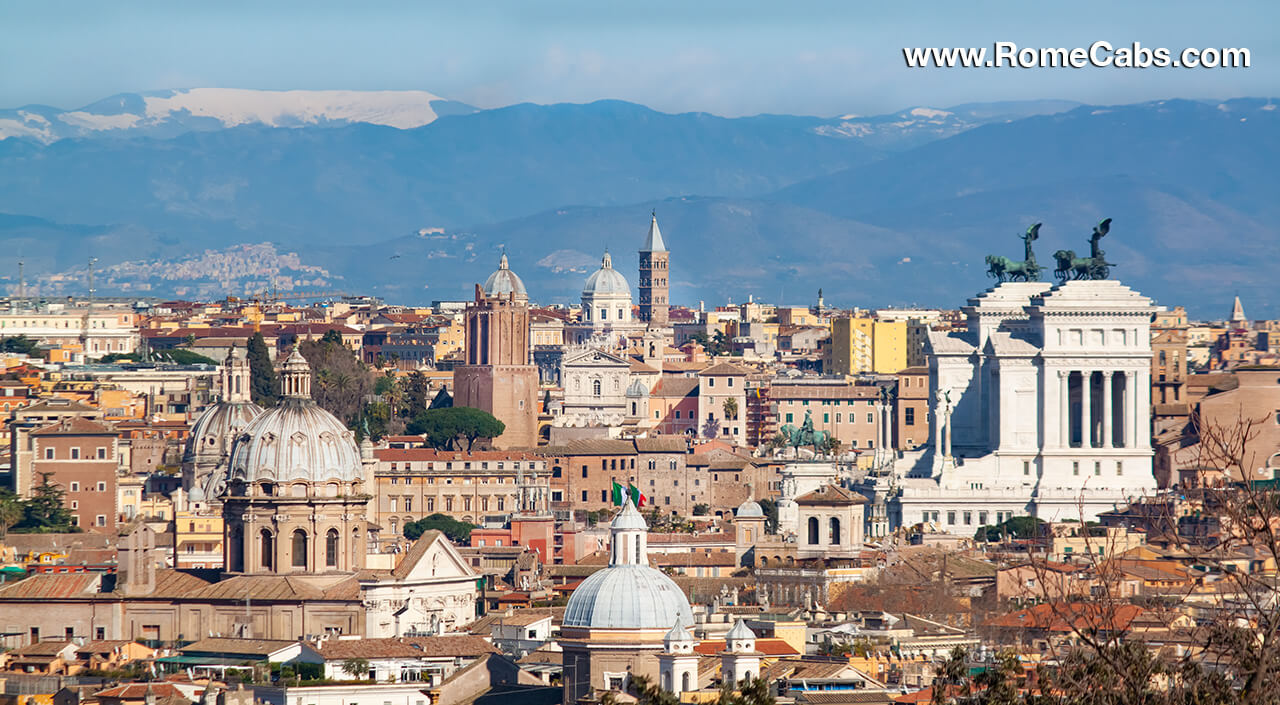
x=866, y=345
x=796, y=316
x=198, y=539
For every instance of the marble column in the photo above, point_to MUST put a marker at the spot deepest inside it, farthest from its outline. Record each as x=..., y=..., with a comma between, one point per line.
x=1129, y=427
x=1142, y=409
x=937, y=428
x=1107, y=408
x=1064, y=408
x=1086, y=408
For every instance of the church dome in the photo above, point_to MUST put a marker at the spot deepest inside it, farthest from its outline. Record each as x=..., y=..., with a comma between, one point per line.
x=504, y=282
x=627, y=597
x=749, y=510
x=216, y=428
x=296, y=440
x=629, y=594
x=606, y=280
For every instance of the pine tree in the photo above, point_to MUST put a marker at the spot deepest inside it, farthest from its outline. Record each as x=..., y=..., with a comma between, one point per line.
x=262, y=374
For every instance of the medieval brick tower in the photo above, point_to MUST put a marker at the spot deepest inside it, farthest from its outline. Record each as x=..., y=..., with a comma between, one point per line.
x=653, y=278
x=498, y=376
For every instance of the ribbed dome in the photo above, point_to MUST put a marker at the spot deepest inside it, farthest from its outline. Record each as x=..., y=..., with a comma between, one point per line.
x=637, y=389
x=213, y=433
x=504, y=282
x=606, y=280
x=296, y=440
x=749, y=510
x=629, y=519
x=627, y=597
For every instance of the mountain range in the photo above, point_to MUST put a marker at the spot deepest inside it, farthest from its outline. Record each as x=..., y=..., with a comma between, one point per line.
x=410, y=196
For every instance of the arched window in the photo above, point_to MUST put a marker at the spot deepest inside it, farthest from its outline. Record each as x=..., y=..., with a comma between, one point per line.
x=813, y=531
x=331, y=548
x=685, y=686
x=595, y=387
x=835, y=531
x=299, y=549
x=268, y=549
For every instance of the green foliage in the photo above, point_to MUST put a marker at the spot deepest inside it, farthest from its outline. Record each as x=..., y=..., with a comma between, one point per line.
x=377, y=416
x=263, y=385
x=770, y=507
x=339, y=380
x=715, y=345
x=457, y=531
x=19, y=344
x=1019, y=527
x=417, y=395
x=177, y=355
x=11, y=511
x=45, y=512
x=456, y=427
x=701, y=510
x=384, y=385
x=356, y=667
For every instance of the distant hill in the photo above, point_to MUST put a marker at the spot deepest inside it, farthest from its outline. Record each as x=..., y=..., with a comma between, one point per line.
x=876, y=210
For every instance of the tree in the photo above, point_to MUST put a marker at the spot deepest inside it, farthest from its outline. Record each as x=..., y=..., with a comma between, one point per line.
x=455, y=427
x=264, y=386
x=356, y=667
x=701, y=510
x=1019, y=527
x=11, y=511
x=731, y=409
x=417, y=395
x=456, y=531
x=340, y=381
x=45, y=512
x=770, y=507
x=20, y=344
x=442, y=400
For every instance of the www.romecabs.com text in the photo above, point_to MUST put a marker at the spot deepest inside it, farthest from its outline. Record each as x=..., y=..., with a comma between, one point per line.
x=1100, y=54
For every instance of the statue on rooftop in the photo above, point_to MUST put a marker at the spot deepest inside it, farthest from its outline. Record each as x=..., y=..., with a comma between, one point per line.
x=1095, y=266
x=1003, y=269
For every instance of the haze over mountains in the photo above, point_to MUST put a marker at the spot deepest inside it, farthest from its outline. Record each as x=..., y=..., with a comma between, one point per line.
x=409, y=196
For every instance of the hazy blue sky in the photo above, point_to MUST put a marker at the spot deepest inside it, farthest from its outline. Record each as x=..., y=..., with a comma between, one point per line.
x=730, y=58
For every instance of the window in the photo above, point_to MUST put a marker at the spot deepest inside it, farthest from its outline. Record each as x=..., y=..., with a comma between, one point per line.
x=102, y=454
x=1097, y=467
x=331, y=548
x=604, y=495
x=1119, y=467
x=48, y=452
x=75, y=453
x=968, y=518
x=431, y=504
x=584, y=495
x=813, y=531
x=826, y=418
x=909, y=417
x=1075, y=467
x=871, y=417
x=982, y=518
x=595, y=388
x=834, y=531
x=75, y=487
x=100, y=633
x=394, y=504
x=711, y=381
x=408, y=504
x=951, y=518
x=1026, y=467
x=102, y=487
x=791, y=419
x=299, y=549
x=100, y=520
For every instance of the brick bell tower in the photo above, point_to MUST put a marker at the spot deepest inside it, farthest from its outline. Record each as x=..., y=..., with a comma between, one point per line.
x=654, y=259
x=498, y=376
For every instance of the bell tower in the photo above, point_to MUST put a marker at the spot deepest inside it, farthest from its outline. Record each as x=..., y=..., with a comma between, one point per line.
x=654, y=259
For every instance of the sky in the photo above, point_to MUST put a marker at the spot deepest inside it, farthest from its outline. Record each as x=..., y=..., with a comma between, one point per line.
x=730, y=58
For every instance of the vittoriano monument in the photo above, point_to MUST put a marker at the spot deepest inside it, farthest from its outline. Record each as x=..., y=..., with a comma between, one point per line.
x=1003, y=269
x=1095, y=266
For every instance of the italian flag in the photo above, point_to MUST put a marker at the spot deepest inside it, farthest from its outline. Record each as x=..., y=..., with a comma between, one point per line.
x=637, y=496
x=619, y=496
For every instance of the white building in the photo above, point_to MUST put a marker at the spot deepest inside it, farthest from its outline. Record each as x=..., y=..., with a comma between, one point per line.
x=431, y=591
x=1039, y=407
x=595, y=388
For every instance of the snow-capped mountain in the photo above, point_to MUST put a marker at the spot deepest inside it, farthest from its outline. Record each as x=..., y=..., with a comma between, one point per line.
x=168, y=113
x=918, y=125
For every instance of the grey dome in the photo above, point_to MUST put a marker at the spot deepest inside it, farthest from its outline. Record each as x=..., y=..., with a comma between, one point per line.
x=740, y=630
x=749, y=510
x=637, y=389
x=504, y=282
x=212, y=434
x=627, y=597
x=196, y=494
x=296, y=440
x=606, y=280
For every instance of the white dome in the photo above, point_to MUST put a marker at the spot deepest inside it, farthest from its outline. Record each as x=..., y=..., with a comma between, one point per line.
x=296, y=440
x=504, y=282
x=627, y=597
x=629, y=519
x=606, y=280
x=749, y=510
